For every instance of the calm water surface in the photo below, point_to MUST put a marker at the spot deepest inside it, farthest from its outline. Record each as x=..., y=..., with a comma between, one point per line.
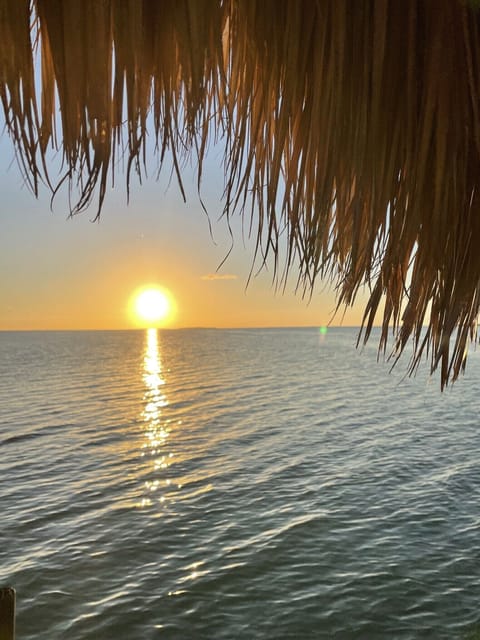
x=235, y=484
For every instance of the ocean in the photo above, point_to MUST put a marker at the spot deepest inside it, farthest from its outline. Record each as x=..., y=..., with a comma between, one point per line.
x=235, y=484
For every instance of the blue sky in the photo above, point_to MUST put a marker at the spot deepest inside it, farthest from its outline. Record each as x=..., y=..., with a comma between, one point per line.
x=58, y=272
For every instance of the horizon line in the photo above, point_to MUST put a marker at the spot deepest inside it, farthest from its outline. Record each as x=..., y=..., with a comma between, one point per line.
x=188, y=328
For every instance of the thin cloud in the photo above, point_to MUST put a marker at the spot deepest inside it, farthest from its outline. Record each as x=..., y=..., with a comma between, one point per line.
x=219, y=276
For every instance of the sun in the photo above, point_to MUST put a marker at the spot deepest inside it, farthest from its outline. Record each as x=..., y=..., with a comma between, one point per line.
x=151, y=306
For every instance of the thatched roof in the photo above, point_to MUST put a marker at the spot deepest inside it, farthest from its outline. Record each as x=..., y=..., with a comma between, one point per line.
x=353, y=127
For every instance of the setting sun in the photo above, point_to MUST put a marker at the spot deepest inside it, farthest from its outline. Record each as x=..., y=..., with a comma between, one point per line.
x=151, y=306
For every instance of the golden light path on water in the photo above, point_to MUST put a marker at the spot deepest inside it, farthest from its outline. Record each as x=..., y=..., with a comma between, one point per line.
x=157, y=428
x=157, y=432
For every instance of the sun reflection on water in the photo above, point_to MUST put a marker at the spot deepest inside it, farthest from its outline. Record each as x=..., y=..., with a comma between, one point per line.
x=161, y=488
x=157, y=429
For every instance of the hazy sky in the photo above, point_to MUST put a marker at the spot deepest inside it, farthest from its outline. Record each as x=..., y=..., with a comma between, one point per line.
x=61, y=273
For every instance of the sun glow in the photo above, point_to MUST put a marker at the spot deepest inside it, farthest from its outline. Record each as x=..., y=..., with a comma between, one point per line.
x=152, y=306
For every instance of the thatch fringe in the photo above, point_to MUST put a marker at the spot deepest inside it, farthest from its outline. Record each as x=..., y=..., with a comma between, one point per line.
x=353, y=127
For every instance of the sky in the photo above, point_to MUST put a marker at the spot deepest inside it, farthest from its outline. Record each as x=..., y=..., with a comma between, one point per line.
x=58, y=272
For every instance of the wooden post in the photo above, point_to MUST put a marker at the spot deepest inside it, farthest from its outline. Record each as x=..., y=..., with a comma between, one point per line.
x=7, y=613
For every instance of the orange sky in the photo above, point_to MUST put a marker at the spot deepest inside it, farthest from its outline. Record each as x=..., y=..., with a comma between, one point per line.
x=59, y=273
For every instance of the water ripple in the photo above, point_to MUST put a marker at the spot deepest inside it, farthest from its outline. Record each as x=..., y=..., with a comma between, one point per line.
x=234, y=484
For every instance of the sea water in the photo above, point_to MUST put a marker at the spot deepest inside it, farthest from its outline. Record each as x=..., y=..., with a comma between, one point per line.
x=235, y=484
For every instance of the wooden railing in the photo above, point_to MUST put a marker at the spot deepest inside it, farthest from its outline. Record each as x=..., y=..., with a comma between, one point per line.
x=7, y=613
